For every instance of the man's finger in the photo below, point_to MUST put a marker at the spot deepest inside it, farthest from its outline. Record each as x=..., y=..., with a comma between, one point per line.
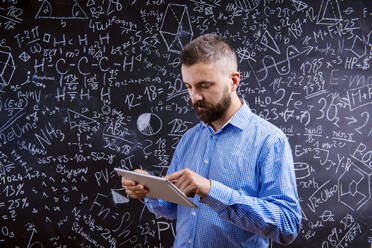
x=176, y=175
x=190, y=190
x=182, y=184
x=137, y=194
x=126, y=182
x=138, y=187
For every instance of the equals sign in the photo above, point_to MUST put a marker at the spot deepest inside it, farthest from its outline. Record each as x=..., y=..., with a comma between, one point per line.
x=2, y=204
x=113, y=174
x=160, y=90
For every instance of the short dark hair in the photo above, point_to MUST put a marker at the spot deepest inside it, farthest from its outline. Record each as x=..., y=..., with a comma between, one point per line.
x=207, y=48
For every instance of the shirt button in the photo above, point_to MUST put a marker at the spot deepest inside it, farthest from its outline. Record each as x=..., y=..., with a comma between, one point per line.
x=193, y=213
x=206, y=161
x=190, y=241
x=214, y=136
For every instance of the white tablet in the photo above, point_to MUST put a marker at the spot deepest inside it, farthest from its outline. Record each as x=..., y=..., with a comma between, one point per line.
x=159, y=187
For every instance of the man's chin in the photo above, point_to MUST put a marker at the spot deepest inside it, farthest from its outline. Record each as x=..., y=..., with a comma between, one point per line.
x=201, y=111
x=205, y=118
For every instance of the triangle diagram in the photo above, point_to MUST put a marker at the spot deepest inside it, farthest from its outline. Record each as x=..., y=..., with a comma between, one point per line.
x=139, y=57
x=176, y=11
x=168, y=38
x=329, y=12
x=185, y=25
x=118, y=197
x=60, y=10
x=90, y=3
x=81, y=121
x=268, y=41
x=176, y=45
x=45, y=10
x=78, y=12
x=172, y=18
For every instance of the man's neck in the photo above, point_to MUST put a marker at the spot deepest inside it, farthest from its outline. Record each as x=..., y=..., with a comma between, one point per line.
x=236, y=103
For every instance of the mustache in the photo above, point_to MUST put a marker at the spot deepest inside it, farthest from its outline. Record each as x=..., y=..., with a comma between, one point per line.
x=201, y=104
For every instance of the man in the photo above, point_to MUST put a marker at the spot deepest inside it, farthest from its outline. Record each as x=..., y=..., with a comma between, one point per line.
x=237, y=166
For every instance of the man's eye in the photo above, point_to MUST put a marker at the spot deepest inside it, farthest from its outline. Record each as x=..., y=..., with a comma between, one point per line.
x=204, y=86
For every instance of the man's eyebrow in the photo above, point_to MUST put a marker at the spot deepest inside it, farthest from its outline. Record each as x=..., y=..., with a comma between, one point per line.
x=204, y=82
x=200, y=83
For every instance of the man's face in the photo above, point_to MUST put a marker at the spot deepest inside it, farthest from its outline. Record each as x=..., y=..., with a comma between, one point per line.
x=209, y=87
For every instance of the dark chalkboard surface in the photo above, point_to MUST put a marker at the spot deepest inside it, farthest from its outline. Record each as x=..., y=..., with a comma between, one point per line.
x=86, y=86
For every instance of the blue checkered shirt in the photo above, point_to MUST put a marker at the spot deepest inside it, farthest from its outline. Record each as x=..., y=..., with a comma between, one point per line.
x=253, y=195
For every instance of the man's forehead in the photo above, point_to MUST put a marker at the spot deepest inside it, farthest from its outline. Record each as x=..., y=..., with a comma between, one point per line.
x=197, y=72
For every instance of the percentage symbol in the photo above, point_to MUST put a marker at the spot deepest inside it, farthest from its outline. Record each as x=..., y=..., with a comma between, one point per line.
x=19, y=189
x=25, y=203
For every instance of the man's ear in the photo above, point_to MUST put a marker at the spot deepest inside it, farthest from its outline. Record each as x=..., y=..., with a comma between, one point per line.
x=235, y=77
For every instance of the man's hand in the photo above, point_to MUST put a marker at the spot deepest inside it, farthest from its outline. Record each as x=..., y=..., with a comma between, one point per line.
x=190, y=183
x=134, y=190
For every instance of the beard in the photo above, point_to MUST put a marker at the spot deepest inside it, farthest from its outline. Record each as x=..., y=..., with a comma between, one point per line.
x=213, y=112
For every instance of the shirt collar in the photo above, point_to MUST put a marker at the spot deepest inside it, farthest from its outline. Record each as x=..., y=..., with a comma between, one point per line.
x=239, y=119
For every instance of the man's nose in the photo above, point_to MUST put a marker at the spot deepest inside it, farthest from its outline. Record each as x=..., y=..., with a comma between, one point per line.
x=195, y=96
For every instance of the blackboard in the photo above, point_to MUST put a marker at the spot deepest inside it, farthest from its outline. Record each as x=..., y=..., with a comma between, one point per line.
x=86, y=86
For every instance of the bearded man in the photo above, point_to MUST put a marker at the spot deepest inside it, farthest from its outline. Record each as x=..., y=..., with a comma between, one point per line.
x=237, y=166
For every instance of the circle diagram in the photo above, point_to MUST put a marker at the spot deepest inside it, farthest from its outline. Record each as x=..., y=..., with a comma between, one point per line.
x=149, y=124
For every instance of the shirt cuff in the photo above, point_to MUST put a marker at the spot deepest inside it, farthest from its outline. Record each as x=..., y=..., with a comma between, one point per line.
x=150, y=200
x=218, y=197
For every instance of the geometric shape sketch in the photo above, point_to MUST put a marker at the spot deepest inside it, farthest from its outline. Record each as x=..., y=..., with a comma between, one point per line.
x=82, y=122
x=359, y=48
x=24, y=56
x=118, y=197
x=149, y=124
x=302, y=170
x=60, y=10
x=329, y=13
x=247, y=4
x=299, y=5
x=90, y=3
x=176, y=29
x=7, y=68
x=268, y=41
x=244, y=54
x=354, y=187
